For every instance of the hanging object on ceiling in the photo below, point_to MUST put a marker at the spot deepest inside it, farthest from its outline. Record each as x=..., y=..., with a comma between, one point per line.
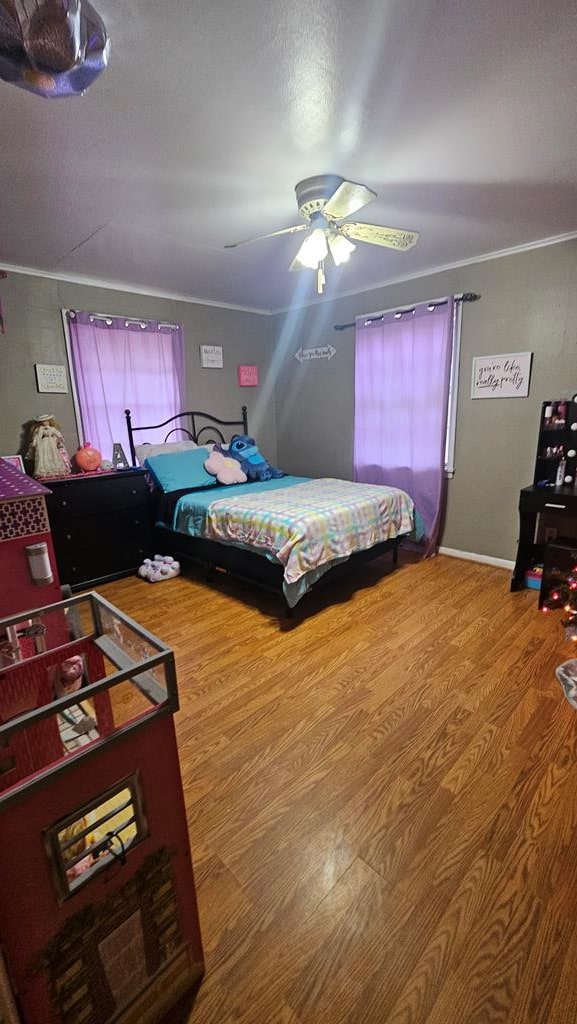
x=324, y=201
x=52, y=47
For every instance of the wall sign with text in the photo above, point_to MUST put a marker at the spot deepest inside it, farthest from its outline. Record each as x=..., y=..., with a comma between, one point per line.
x=247, y=376
x=51, y=378
x=211, y=356
x=304, y=355
x=505, y=376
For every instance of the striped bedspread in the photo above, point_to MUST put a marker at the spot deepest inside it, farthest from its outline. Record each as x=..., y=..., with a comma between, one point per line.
x=309, y=524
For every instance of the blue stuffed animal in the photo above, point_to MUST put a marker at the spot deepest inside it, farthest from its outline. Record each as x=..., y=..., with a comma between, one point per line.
x=245, y=450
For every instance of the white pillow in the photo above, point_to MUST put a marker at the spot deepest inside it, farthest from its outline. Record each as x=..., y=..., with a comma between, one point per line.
x=146, y=451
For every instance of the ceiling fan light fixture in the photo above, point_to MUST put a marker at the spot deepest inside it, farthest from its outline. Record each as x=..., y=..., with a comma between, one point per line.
x=313, y=250
x=340, y=248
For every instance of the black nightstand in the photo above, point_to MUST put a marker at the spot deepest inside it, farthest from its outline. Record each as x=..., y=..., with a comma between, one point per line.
x=101, y=526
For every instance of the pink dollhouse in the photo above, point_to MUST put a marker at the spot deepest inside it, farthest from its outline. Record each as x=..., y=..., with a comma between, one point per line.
x=98, y=915
x=26, y=551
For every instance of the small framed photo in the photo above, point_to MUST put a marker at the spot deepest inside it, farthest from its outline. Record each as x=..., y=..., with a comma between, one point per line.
x=14, y=460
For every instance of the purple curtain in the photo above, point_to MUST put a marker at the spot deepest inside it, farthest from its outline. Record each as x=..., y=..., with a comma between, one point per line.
x=123, y=364
x=402, y=373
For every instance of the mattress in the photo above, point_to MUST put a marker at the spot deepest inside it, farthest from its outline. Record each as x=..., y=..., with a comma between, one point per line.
x=308, y=526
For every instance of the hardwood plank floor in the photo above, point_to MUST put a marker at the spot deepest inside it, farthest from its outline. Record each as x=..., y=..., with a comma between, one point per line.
x=381, y=798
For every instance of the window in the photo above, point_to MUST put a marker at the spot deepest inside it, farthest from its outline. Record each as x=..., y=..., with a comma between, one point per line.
x=454, y=371
x=406, y=381
x=96, y=835
x=119, y=363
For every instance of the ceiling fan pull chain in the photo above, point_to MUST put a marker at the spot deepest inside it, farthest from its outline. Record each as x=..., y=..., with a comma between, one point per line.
x=321, y=277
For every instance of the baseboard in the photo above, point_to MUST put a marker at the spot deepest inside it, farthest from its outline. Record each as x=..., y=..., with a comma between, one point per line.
x=471, y=556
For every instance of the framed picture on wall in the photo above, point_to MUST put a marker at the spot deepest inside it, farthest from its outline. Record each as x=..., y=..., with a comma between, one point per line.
x=501, y=376
x=248, y=376
x=51, y=378
x=211, y=357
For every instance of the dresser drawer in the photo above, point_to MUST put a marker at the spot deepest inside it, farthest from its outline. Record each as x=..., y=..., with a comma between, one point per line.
x=96, y=496
x=82, y=567
x=552, y=499
x=128, y=526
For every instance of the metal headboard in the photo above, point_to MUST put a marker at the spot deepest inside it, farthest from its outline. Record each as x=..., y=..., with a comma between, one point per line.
x=192, y=430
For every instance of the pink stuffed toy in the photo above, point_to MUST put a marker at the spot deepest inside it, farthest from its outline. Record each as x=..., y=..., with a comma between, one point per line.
x=226, y=471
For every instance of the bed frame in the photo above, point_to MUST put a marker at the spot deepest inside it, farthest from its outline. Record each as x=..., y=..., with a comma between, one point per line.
x=214, y=557
x=189, y=427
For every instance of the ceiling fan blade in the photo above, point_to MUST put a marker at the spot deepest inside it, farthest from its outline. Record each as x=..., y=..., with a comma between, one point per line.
x=348, y=198
x=273, y=234
x=377, y=234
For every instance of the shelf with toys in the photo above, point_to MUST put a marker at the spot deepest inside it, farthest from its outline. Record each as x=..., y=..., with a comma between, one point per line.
x=556, y=460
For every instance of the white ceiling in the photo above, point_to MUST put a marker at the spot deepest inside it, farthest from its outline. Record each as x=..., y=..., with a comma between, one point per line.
x=460, y=114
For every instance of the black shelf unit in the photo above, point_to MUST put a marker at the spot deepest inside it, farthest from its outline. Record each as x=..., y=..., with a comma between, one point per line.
x=556, y=442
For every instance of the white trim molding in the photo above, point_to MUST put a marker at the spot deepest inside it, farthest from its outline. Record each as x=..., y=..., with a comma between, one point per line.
x=472, y=556
x=540, y=243
x=125, y=286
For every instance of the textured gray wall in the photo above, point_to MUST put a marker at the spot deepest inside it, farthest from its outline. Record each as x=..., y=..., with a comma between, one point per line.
x=529, y=303
x=34, y=334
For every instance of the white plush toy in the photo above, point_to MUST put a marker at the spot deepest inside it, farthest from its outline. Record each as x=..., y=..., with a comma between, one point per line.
x=161, y=567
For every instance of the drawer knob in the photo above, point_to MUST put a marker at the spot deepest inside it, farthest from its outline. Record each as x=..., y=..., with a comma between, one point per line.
x=64, y=504
x=134, y=490
x=68, y=536
x=551, y=504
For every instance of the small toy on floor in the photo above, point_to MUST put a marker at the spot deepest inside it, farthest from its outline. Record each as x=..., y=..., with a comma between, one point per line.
x=161, y=567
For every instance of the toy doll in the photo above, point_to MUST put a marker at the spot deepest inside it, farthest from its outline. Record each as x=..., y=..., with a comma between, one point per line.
x=77, y=848
x=47, y=448
x=69, y=676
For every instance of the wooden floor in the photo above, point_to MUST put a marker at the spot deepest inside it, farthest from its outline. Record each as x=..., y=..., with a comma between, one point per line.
x=382, y=799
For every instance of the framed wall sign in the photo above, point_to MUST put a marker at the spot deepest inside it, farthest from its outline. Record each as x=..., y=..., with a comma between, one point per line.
x=51, y=378
x=211, y=356
x=504, y=376
x=248, y=376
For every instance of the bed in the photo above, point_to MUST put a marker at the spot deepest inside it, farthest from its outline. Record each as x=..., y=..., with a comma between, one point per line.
x=283, y=534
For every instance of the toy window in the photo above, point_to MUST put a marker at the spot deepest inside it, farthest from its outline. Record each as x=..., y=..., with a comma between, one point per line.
x=96, y=836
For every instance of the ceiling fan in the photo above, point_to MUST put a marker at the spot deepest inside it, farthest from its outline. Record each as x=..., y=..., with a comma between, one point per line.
x=324, y=201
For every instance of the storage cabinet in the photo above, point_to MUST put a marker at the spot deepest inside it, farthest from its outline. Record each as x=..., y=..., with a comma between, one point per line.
x=545, y=515
x=101, y=526
x=548, y=509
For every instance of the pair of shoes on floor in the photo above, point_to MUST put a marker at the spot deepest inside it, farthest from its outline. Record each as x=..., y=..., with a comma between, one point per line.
x=161, y=567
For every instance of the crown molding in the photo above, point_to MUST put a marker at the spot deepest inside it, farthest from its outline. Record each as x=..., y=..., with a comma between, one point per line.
x=484, y=258
x=119, y=286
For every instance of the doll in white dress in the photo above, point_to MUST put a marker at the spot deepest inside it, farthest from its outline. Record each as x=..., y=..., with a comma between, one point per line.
x=47, y=448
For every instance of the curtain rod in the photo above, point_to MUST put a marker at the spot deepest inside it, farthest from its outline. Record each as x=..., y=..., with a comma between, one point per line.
x=462, y=297
x=109, y=317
